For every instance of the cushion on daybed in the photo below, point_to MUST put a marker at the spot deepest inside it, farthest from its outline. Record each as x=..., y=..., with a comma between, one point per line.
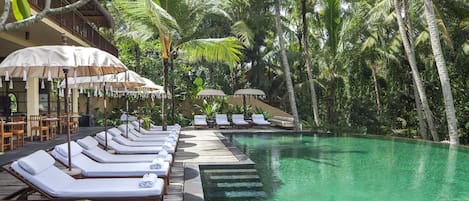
x=75, y=149
x=88, y=143
x=36, y=162
x=56, y=183
x=114, y=132
x=101, y=135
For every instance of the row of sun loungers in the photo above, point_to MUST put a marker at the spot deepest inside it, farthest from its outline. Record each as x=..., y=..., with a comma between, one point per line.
x=221, y=120
x=140, y=170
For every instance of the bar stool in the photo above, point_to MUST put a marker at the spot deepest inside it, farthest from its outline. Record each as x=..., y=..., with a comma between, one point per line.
x=5, y=136
x=36, y=124
x=18, y=129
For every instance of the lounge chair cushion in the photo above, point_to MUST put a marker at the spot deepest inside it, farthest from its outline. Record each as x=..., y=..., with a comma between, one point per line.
x=258, y=119
x=91, y=168
x=103, y=156
x=238, y=119
x=75, y=149
x=88, y=143
x=58, y=184
x=101, y=135
x=114, y=132
x=37, y=162
x=123, y=149
x=200, y=120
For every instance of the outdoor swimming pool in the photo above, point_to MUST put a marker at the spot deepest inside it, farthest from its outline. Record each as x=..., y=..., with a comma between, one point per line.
x=356, y=168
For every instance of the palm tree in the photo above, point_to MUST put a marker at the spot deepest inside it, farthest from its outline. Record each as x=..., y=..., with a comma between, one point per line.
x=442, y=72
x=283, y=54
x=407, y=41
x=314, y=100
x=176, y=25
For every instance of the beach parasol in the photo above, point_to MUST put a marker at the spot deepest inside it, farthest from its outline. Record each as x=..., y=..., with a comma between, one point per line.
x=256, y=93
x=210, y=93
x=107, y=83
x=148, y=89
x=57, y=61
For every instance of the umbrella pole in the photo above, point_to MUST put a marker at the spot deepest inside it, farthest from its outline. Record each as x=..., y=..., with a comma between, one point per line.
x=68, y=119
x=244, y=107
x=127, y=115
x=139, y=118
x=105, y=116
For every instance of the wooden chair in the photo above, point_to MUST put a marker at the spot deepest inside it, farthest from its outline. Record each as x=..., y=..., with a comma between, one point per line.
x=52, y=126
x=5, y=136
x=63, y=125
x=18, y=129
x=74, y=117
x=36, y=124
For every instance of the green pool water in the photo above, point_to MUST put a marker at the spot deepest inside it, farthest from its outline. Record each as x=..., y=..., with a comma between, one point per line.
x=357, y=169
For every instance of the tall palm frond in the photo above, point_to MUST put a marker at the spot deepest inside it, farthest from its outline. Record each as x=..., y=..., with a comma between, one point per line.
x=332, y=22
x=243, y=32
x=226, y=50
x=147, y=13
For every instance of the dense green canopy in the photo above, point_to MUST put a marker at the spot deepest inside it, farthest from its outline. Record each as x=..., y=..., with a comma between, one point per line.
x=360, y=69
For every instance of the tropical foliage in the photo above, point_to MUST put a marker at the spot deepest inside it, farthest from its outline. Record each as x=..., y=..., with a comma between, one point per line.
x=359, y=67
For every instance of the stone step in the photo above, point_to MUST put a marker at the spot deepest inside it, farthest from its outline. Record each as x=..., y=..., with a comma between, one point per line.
x=230, y=171
x=233, y=177
x=238, y=185
x=238, y=194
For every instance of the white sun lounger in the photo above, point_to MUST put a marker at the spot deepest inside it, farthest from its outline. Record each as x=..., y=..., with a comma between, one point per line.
x=141, y=130
x=133, y=137
x=153, y=127
x=136, y=136
x=92, y=150
x=123, y=149
x=200, y=121
x=117, y=136
x=259, y=120
x=91, y=168
x=238, y=120
x=37, y=170
x=222, y=120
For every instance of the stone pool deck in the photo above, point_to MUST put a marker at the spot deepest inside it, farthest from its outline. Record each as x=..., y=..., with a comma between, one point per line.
x=204, y=146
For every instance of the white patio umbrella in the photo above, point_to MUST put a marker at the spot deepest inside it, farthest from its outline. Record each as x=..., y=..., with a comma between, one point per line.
x=210, y=93
x=256, y=93
x=107, y=82
x=149, y=89
x=57, y=62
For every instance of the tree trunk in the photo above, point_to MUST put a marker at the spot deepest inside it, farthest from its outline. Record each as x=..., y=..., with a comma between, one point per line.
x=283, y=54
x=331, y=114
x=375, y=82
x=442, y=72
x=164, y=99
x=418, y=104
x=415, y=74
x=307, y=56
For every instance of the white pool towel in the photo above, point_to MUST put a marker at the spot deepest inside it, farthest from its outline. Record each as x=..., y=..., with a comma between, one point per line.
x=157, y=163
x=148, y=181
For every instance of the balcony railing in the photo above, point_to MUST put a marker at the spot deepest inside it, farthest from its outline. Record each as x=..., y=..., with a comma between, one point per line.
x=78, y=25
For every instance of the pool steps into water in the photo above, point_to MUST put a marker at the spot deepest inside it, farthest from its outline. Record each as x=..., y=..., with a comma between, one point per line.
x=231, y=182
